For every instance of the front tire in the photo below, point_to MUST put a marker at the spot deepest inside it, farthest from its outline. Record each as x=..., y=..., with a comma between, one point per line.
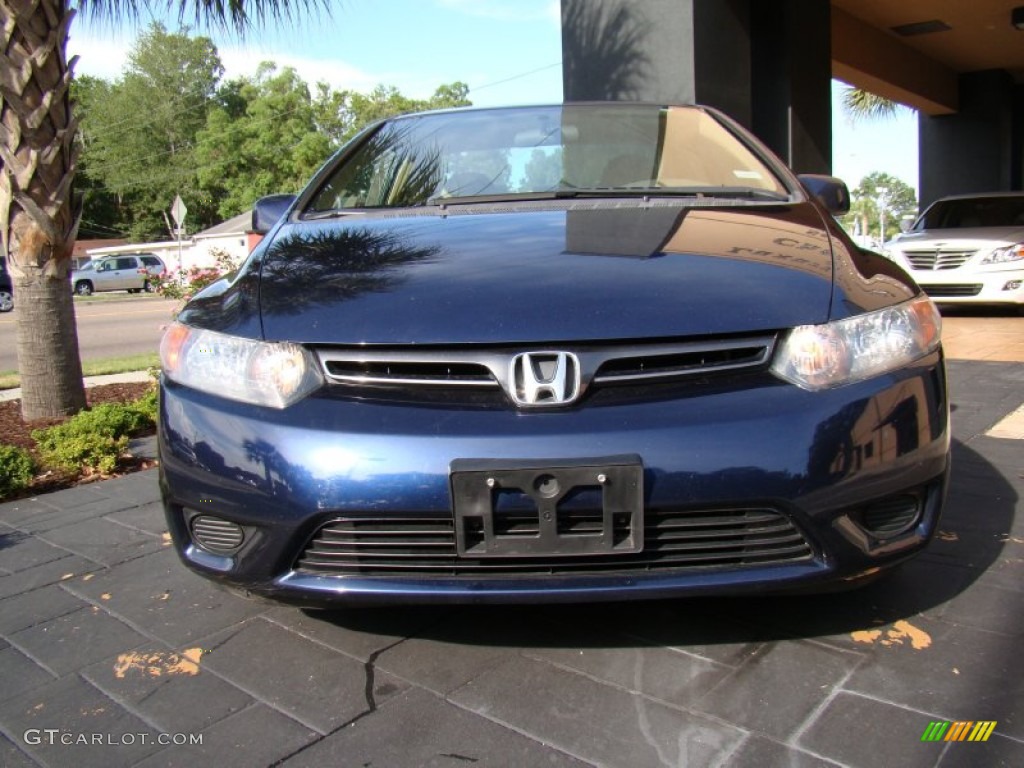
x=6, y=301
x=83, y=288
x=147, y=287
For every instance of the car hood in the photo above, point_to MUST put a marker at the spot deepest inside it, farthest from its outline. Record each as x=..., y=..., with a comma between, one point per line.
x=546, y=274
x=967, y=237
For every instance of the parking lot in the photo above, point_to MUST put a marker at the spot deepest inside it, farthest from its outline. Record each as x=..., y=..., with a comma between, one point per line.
x=111, y=653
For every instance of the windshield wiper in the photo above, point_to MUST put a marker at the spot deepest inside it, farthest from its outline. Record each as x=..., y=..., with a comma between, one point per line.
x=332, y=213
x=698, y=192
x=503, y=197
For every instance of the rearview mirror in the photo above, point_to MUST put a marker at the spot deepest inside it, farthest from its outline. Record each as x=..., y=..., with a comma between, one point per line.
x=829, y=191
x=268, y=211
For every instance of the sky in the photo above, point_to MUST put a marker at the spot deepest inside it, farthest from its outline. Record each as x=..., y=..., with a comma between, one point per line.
x=507, y=51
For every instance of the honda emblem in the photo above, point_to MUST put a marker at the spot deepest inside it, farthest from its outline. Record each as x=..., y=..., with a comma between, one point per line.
x=544, y=378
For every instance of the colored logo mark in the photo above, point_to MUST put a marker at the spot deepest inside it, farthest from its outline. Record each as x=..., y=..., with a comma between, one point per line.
x=961, y=730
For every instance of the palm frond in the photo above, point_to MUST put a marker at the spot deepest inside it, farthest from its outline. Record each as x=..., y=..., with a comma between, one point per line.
x=864, y=105
x=236, y=16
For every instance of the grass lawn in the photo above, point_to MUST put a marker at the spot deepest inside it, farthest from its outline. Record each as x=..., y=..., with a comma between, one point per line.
x=11, y=379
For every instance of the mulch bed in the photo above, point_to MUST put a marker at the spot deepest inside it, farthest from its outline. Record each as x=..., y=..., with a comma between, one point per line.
x=14, y=431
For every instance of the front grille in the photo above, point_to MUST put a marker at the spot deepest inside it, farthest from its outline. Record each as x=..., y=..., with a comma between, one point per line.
x=721, y=539
x=944, y=290
x=390, y=372
x=936, y=260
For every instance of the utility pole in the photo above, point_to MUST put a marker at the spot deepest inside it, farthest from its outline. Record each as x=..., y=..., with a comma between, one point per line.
x=178, y=212
x=881, y=192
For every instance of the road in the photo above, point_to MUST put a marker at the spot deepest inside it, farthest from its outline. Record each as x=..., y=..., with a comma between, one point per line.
x=111, y=328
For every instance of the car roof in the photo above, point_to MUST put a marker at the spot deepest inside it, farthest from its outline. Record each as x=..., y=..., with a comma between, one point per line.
x=978, y=195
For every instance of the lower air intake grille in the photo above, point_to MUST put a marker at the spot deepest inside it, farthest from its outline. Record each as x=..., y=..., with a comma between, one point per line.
x=215, y=534
x=946, y=290
x=673, y=540
x=891, y=516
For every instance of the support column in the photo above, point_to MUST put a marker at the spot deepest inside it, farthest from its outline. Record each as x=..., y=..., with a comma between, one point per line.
x=765, y=63
x=980, y=148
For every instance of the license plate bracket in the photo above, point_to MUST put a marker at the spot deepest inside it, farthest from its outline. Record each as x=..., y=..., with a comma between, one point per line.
x=529, y=507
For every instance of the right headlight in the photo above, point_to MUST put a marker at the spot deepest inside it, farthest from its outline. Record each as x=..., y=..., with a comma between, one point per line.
x=816, y=357
x=272, y=374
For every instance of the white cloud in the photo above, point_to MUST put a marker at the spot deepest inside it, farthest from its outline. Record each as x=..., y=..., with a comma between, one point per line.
x=106, y=56
x=99, y=56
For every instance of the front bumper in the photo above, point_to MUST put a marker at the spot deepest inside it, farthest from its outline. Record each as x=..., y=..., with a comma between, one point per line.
x=1001, y=284
x=827, y=465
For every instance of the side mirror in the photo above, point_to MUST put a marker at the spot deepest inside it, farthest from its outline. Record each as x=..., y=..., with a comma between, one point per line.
x=268, y=211
x=829, y=191
x=906, y=223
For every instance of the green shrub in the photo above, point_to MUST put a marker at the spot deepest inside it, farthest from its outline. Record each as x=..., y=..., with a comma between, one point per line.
x=94, y=440
x=146, y=407
x=16, y=468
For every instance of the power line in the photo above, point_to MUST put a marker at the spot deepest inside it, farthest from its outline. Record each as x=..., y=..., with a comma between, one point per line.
x=516, y=77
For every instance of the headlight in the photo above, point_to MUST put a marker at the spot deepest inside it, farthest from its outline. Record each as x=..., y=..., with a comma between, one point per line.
x=258, y=372
x=816, y=357
x=1003, y=255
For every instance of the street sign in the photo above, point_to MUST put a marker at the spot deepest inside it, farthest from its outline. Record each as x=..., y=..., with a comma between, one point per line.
x=178, y=210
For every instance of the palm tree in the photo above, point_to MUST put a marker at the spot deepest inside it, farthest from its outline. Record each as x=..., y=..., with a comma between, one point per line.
x=39, y=213
x=860, y=104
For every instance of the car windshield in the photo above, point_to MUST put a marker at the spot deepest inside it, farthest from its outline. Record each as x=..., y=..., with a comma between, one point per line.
x=971, y=212
x=537, y=152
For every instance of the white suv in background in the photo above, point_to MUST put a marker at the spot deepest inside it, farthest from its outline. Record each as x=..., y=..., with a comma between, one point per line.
x=967, y=249
x=130, y=272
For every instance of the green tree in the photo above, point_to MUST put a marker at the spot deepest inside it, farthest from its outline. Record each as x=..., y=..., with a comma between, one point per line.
x=102, y=213
x=543, y=170
x=878, y=192
x=39, y=216
x=272, y=145
x=342, y=114
x=140, y=139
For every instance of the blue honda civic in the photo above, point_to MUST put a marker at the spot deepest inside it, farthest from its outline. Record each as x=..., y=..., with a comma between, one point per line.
x=565, y=353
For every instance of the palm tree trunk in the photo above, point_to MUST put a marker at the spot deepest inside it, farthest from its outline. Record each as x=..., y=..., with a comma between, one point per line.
x=38, y=223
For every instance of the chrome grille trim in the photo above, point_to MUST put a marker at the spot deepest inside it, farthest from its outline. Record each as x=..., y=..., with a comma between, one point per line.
x=937, y=259
x=489, y=368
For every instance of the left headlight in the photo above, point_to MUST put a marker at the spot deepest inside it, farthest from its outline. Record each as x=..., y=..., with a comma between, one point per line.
x=816, y=357
x=258, y=372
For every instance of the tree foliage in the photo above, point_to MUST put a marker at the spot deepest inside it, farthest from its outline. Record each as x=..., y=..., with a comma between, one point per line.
x=39, y=212
x=139, y=140
x=859, y=104
x=868, y=201
x=263, y=140
x=170, y=125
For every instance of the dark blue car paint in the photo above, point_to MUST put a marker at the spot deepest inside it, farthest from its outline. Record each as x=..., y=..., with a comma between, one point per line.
x=549, y=273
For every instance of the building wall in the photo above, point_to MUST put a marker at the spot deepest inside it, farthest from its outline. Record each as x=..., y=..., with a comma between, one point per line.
x=765, y=63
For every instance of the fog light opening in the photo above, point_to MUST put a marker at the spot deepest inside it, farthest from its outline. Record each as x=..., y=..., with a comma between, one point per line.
x=890, y=517
x=1013, y=285
x=215, y=534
